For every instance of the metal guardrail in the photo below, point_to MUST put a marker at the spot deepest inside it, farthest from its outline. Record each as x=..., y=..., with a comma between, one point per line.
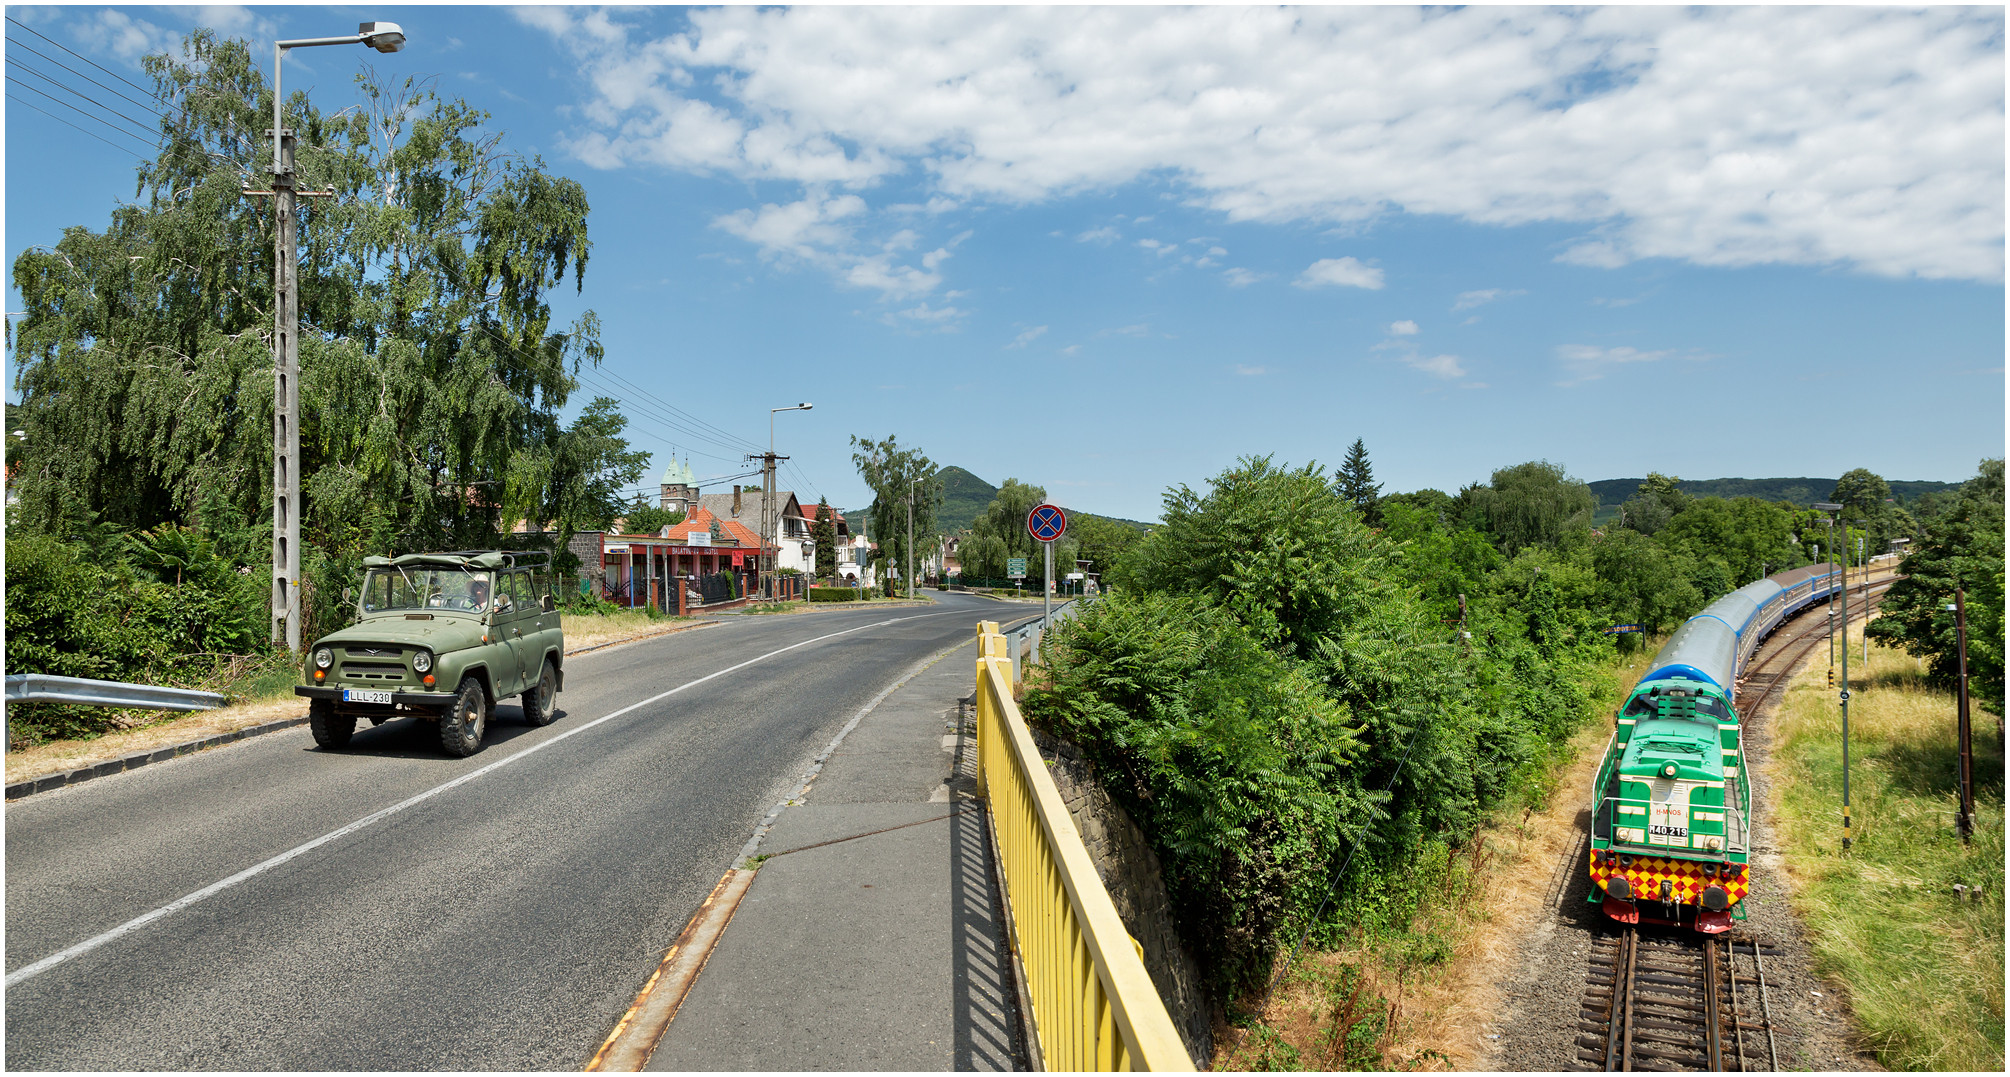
x=1094, y=1005
x=1026, y=640
x=43, y=688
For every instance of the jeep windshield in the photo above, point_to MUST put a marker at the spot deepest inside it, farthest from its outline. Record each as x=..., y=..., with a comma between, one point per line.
x=425, y=587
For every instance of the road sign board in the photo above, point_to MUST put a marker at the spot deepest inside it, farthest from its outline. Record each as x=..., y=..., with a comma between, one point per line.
x=1015, y=567
x=1046, y=522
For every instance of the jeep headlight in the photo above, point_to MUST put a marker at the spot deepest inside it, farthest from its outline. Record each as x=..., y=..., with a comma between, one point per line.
x=324, y=658
x=422, y=661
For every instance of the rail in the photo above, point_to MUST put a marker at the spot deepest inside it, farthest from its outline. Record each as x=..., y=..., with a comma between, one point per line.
x=41, y=687
x=1094, y=1005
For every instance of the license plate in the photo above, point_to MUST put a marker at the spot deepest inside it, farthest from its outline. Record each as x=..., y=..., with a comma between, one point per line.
x=365, y=695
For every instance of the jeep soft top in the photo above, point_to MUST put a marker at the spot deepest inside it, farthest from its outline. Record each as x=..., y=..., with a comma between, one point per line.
x=491, y=559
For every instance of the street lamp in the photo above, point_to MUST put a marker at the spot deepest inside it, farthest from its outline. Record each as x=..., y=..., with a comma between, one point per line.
x=1832, y=508
x=768, y=521
x=384, y=37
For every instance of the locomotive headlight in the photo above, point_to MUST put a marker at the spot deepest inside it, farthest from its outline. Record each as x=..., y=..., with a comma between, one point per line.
x=422, y=661
x=324, y=658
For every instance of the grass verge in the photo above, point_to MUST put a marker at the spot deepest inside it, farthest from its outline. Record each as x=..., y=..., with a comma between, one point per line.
x=1417, y=990
x=1924, y=972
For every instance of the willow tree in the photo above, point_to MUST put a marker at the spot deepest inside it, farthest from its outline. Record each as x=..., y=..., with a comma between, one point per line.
x=432, y=377
x=898, y=478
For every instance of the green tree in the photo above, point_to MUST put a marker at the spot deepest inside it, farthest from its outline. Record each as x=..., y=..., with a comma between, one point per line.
x=823, y=532
x=1642, y=583
x=1101, y=540
x=432, y=375
x=896, y=476
x=1355, y=482
x=1964, y=548
x=1274, y=546
x=1532, y=504
x=1658, y=500
x=642, y=518
x=1000, y=533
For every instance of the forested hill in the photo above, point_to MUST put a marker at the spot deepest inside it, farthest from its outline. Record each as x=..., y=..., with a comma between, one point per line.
x=1800, y=491
x=965, y=497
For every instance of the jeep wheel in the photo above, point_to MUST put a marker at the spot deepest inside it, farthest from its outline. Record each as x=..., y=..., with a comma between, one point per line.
x=331, y=730
x=540, y=704
x=462, y=726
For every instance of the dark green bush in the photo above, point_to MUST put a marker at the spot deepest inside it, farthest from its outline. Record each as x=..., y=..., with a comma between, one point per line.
x=174, y=614
x=838, y=594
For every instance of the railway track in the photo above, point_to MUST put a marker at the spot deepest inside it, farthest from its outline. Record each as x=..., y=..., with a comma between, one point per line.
x=1671, y=1004
x=1685, y=1002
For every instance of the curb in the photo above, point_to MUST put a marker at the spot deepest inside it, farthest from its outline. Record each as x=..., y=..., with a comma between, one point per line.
x=31, y=786
x=139, y=759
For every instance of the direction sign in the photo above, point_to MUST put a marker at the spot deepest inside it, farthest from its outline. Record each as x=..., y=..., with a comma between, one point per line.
x=1015, y=567
x=1046, y=522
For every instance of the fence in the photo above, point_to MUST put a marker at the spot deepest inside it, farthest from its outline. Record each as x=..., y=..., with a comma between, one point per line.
x=1094, y=1005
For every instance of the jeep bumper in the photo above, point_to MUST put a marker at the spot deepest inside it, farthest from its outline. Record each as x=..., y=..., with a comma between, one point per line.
x=402, y=699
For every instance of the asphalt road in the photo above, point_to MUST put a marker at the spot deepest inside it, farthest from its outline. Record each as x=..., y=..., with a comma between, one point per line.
x=504, y=922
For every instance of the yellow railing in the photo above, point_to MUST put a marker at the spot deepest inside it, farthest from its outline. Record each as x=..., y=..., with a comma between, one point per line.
x=1094, y=1006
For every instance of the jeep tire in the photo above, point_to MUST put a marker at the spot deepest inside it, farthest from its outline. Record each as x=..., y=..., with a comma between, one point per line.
x=331, y=730
x=540, y=702
x=461, y=728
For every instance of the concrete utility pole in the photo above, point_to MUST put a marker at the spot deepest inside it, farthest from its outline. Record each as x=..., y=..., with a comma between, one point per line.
x=384, y=37
x=769, y=522
x=910, y=536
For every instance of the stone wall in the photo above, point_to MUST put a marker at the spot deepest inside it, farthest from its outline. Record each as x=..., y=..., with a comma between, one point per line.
x=1130, y=872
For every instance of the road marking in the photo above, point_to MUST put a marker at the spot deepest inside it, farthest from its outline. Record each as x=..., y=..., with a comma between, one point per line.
x=256, y=870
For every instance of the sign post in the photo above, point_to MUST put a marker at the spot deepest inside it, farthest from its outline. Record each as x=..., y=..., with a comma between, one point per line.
x=1047, y=523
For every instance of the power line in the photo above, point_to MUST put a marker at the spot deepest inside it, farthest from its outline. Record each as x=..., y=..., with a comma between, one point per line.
x=74, y=108
x=66, y=123
x=78, y=55
x=79, y=94
x=29, y=48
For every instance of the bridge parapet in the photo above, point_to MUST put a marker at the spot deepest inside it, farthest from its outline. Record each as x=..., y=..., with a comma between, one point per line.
x=1094, y=1005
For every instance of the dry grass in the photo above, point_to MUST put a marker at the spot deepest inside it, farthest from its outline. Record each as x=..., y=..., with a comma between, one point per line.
x=1924, y=973
x=1424, y=997
x=581, y=633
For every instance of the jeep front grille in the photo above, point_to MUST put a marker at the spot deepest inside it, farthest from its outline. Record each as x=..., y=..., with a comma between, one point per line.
x=372, y=671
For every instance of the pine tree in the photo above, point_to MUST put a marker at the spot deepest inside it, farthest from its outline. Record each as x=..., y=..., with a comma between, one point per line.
x=823, y=532
x=1355, y=481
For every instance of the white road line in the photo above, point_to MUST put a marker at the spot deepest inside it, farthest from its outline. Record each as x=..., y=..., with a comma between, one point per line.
x=255, y=870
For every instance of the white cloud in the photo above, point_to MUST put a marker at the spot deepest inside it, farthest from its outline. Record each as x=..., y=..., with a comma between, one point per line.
x=819, y=231
x=1239, y=277
x=1344, y=272
x=1469, y=300
x=1104, y=234
x=1855, y=136
x=1250, y=371
x=1443, y=367
x=1028, y=337
x=1405, y=328
x=1588, y=362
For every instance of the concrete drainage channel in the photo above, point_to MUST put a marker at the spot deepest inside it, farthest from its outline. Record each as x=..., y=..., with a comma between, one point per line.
x=136, y=760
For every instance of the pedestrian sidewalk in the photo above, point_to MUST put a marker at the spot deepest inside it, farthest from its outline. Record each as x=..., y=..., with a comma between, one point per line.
x=872, y=936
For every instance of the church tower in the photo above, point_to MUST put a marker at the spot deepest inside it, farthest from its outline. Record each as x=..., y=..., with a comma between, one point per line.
x=680, y=487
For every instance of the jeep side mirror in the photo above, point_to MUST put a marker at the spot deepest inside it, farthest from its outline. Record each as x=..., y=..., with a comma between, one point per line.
x=550, y=604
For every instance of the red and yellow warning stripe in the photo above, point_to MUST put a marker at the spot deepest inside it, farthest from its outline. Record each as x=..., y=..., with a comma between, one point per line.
x=1649, y=872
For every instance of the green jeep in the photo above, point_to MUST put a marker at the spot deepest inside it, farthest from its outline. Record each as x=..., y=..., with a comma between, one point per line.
x=443, y=636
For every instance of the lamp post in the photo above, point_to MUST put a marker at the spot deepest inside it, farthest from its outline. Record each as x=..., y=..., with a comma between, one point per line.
x=1843, y=586
x=384, y=37
x=768, y=521
x=910, y=536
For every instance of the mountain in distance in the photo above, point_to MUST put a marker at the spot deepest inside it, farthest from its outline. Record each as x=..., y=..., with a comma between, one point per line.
x=964, y=498
x=1801, y=492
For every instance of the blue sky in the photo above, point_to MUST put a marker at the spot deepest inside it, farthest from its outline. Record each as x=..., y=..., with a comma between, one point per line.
x=1111, y=250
